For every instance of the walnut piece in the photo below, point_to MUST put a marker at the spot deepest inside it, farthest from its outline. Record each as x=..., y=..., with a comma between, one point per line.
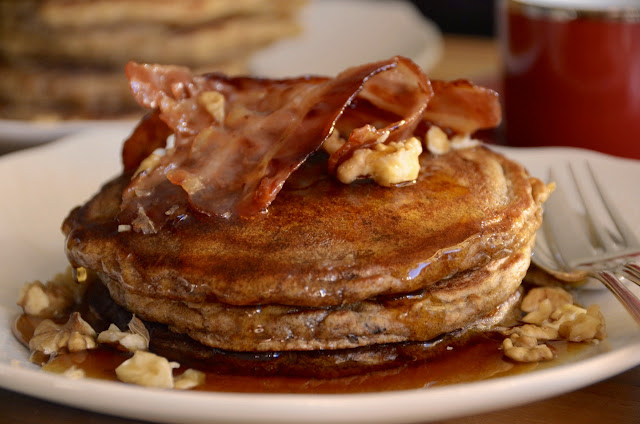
x=539, y=333
x=437, y=141
x=463, y=141
x=334, y=142
x=526, y=349
x=213, y=102
x=551, y=316
x=49, y=338
x=386, y=164
x=189, y=379
x=53, y=299
x=137, y=338
x=33, y=299
x=586, y=326
x=556, y=295
x=539, y=315
x=147, y=369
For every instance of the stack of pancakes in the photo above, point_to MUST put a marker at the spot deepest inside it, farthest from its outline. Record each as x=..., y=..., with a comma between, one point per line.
x=65, y=58
x=334, y=277
x=241, y=249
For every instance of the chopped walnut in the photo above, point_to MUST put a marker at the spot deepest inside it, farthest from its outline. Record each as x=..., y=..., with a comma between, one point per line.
x=213, y=102
x=551, y=316
x=50, y=338
x=137, y=338
x=33, y=299
x=386, y=164
x=540, y=333
x=541, y=314
x=147, y=369
x=556, y=295
x=463, y=141
x=189, y=379
x=526, y=349
x=587, y=326
x=334, y=142
x=437, y=141
x=564, y=313
x=53, y=299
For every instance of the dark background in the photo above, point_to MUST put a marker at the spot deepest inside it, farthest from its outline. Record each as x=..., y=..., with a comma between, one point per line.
x=474, y=17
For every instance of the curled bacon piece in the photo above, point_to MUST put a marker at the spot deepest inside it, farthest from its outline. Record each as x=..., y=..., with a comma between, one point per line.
x=238, y=166
x=463, y=107
x=402, y=95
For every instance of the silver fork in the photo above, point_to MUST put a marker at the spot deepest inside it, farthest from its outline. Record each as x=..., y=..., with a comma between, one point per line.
x=597, y=243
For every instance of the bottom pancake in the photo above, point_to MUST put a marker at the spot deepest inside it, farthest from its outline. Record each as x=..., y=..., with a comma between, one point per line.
x=100, y=310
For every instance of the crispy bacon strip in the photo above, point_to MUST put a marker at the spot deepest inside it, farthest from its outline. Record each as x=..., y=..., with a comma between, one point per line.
x=271, y=127
x=463, y=107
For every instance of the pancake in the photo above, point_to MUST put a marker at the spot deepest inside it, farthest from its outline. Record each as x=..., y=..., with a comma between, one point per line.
x=316, y=247
x=242, y=236
x=100, y=311
x=453, y=303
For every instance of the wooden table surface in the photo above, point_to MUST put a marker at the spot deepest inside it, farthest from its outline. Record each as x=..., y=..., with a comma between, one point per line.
x=616, y=400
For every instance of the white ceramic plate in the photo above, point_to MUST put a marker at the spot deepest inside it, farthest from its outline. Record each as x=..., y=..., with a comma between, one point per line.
x=39, y=186
x=19, y=134
x=337, y=34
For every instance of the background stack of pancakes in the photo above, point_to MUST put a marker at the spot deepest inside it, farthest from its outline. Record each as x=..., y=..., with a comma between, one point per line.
x=65, y=58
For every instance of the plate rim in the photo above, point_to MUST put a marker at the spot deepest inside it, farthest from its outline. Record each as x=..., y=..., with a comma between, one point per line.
x=318, y=407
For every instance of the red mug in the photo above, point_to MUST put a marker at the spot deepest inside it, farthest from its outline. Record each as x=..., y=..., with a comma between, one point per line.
x=572, y=74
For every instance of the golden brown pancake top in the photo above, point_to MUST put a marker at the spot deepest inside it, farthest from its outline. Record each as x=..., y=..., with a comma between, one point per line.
x=322, y=242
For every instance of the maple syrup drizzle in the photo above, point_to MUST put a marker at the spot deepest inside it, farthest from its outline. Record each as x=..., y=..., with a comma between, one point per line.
x=479, y=358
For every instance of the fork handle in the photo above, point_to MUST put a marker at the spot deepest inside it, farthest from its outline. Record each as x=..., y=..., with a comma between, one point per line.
x=626, y=297
x=632, y=273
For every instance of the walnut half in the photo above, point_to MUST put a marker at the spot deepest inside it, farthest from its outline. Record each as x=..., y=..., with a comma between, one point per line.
x=147, y=369
x=151, y=370
x=49, y=338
